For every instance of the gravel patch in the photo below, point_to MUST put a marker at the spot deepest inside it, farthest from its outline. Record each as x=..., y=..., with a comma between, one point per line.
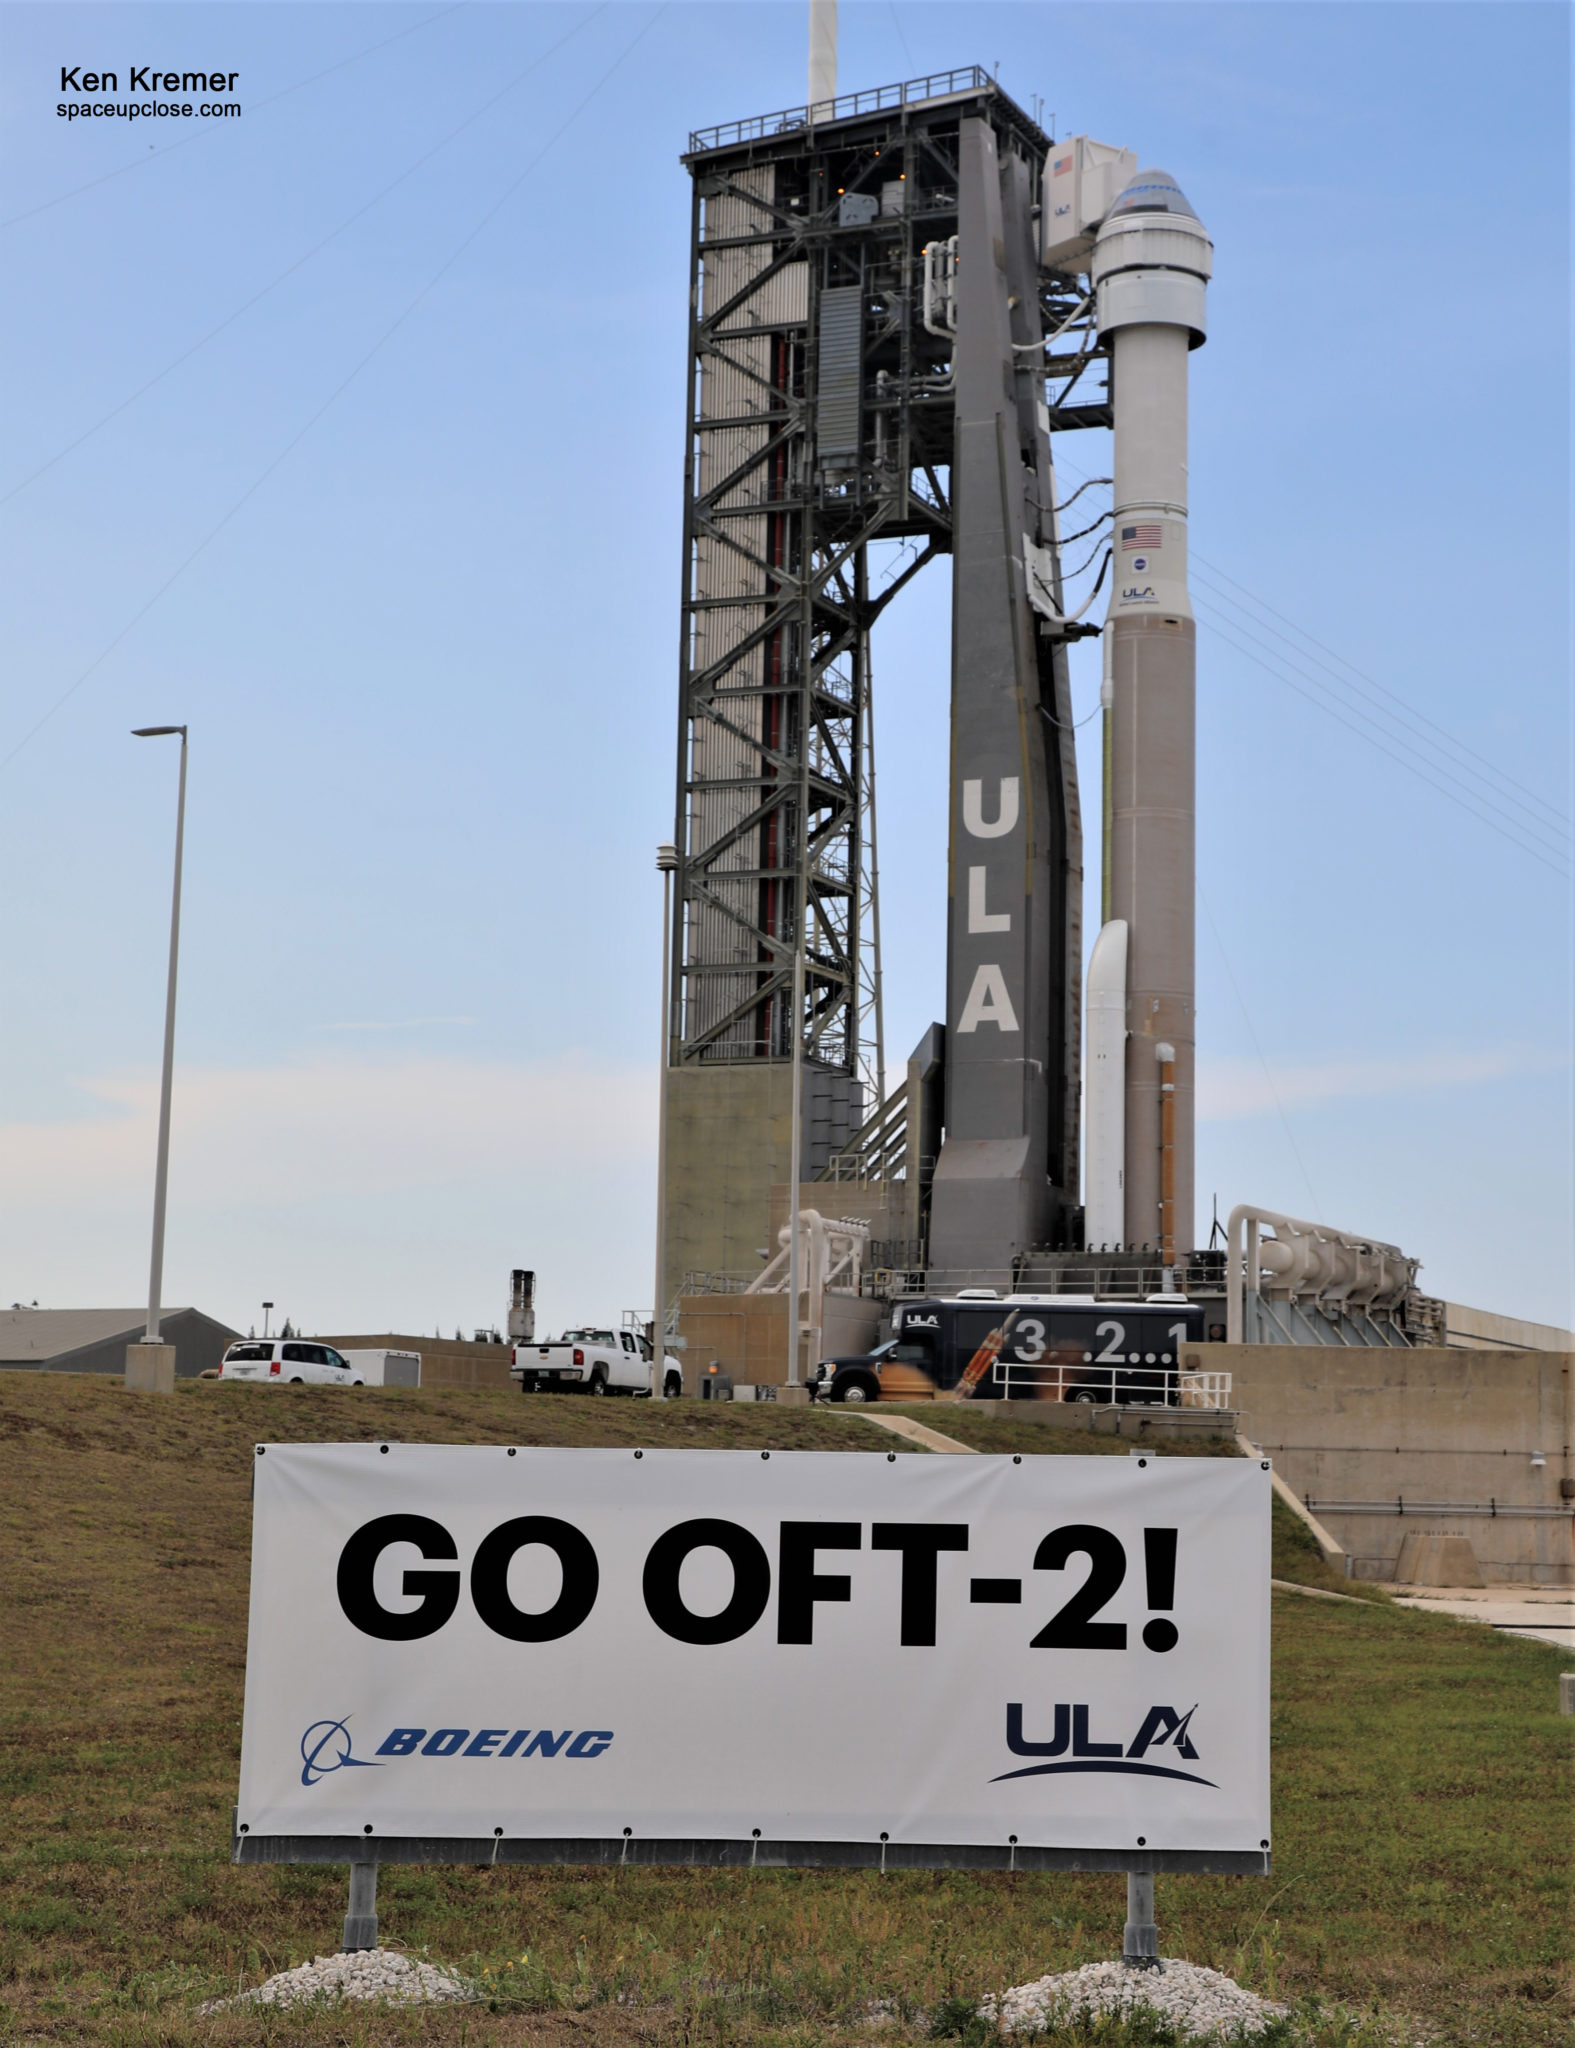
x=366, y=1973
x=1195, y=2000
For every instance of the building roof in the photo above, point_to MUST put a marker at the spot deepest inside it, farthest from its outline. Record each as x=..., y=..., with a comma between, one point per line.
x=33, y=1336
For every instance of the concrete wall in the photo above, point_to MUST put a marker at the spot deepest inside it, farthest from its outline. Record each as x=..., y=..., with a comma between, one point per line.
x=729, y=1137
x=444, y=1362
x=1447, y=1435
x=1479, y=1329
x=746, y=1335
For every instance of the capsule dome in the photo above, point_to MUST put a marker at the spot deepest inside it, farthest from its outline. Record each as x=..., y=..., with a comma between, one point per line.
x=1152, y=192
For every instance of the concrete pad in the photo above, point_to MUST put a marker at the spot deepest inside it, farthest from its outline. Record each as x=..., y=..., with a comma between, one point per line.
x=150, y=1368
x=1544, y=1617
x=915, y=1432
x=1317, y=1593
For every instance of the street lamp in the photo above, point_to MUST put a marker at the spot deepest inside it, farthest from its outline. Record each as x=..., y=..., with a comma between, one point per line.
x=162, y=1169
x=666, y=862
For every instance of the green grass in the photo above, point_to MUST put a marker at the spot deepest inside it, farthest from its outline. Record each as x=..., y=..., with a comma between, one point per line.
x=1421, y=1792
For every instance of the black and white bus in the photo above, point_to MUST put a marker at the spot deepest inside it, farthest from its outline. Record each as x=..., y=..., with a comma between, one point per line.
x=1024, y=1347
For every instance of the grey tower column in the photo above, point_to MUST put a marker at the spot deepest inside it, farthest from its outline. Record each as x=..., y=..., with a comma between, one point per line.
x=1151, y=262
x=1006, y=1007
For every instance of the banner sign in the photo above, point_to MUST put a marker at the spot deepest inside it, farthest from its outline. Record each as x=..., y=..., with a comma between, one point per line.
x=756, y=1656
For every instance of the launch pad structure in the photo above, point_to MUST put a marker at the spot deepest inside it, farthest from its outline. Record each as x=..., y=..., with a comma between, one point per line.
x=899, y=299
x=868, y=363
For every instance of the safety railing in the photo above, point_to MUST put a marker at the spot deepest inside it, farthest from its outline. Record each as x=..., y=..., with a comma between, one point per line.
x=886, y=1283
x=877, y=100
x=1126, y=1273
x=1114, y=1385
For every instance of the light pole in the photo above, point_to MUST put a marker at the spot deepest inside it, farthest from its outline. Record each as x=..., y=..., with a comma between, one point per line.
x=162, y=1169
x=666, y=862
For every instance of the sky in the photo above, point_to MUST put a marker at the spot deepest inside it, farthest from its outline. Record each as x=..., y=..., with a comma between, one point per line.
x=349, y=432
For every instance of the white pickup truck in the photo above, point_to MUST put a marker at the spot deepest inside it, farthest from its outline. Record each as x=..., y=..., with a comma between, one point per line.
x=596, y=1362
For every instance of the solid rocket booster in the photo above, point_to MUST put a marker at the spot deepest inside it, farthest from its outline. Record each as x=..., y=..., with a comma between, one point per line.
x=1104, y=1123
x=1151, y=264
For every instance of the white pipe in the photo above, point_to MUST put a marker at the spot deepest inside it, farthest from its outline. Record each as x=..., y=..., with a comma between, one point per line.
x=817, y=1283
x=1026, y=347
x=1071, y=618
x=1305, y=1258
x=1104, y=1120
x=822, y=55
x=939, y=305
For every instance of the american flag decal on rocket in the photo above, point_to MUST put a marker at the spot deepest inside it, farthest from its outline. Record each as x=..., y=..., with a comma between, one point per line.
x=1140, y=536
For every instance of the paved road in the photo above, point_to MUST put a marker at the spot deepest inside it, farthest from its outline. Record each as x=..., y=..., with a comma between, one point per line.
x=1548, y=1617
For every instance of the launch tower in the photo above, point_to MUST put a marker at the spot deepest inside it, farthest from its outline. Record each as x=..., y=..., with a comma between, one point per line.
x=847, y=388
x=897, y=299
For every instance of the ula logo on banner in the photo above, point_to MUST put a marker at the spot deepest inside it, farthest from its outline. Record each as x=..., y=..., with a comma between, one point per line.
x=1160, y=1725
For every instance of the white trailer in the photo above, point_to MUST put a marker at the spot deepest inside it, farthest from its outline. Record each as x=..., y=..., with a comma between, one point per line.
x=380, y=1367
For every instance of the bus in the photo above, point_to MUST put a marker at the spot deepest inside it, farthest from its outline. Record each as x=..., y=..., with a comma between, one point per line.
x=1024, y=1347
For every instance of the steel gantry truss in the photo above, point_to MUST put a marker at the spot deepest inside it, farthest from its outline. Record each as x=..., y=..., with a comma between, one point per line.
x=819, y=422
x=820, y=425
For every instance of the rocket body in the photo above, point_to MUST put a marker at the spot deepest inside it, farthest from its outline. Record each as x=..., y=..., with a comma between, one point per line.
x=1104, y=1051
x=1150, y=266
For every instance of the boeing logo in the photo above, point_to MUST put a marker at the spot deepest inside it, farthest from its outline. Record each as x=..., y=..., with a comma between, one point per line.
x=1069, y=1733
x=325, y=1748
x=488, y=1742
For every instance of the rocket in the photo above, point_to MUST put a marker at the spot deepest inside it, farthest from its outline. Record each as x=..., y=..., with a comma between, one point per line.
x=1150, y=267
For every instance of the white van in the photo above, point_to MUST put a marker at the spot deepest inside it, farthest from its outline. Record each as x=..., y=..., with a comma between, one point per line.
x=293, y=1360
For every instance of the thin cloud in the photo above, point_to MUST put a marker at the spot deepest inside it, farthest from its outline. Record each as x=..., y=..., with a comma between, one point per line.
x=1230, y=1090
x=395, y=1023
x=366, y=1193
x=337, y=1128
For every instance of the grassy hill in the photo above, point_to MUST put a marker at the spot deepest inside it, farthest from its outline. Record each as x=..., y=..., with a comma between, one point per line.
x=1421, y=1789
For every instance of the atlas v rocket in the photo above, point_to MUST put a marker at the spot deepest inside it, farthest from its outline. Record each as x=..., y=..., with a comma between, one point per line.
x=1148, y=259
x=1151, y=264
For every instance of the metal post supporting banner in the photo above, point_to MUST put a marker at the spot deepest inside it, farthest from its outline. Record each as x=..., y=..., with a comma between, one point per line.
x=1140, y=1937
x=361, y=1920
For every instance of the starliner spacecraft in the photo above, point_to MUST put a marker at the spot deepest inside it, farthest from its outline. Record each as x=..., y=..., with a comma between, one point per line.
x=900, y=301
